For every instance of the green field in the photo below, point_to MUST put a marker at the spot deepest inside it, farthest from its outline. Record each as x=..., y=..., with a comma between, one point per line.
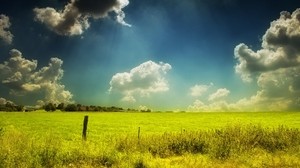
x=40, y=139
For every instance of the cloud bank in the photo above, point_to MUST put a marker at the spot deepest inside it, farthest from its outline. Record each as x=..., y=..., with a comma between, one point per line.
x=22, y=78
x=280, y=48
x=5, y=34
x=276, y=66
x=143, y=80
x=74, y=18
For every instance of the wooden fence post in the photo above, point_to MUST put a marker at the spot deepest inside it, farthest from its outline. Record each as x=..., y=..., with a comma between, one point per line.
x=139, y=132
x=85, y=124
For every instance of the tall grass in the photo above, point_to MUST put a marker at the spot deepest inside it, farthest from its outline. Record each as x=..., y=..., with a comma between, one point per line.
x=248, y=145
x=218, y=143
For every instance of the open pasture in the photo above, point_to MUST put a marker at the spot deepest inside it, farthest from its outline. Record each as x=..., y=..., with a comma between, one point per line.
x=70, y=124
x=41, y=139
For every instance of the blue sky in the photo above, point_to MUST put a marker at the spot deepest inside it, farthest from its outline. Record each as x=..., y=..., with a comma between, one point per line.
x=195, y=55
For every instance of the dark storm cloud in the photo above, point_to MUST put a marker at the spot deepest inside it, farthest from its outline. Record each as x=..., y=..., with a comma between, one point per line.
x=74, y=18
x=94, y=7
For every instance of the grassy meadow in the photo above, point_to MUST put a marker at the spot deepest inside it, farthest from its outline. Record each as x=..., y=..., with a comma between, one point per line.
x=53, y=139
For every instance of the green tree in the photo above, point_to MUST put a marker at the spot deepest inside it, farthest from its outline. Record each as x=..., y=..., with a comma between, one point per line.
x=71, y=107
x=50, y=107
x=10, y=107
x=20, y=107
x=61, y=106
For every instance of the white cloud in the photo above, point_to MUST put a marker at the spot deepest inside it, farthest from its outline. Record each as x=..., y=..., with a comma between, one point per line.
x=143, y=108
x=275, y=67
x=256, y=103
x=128, y=98
x=67, y=22
x=120, y=14
x=143, y=80
x=22, y=77
x=280, y=48
x=215, y=103
x=74, y=19
x=3, y=101
x=219, y=94
x=199, y=90
x=5, y=34
x=197, y=106
x=217, y=106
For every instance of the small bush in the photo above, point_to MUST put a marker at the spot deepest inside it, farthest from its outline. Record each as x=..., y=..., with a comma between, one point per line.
x=139, y=164
x=104, y=160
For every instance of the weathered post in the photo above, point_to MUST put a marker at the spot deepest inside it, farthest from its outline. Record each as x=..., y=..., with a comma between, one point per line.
x=139, y=132
x=85, y=123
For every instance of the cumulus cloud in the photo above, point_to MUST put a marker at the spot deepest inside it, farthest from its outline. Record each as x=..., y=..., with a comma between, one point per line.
x=143, y=80
x=128, y=98
x=252, y=104
x=74, y=18
x=199, y=90
x=218, y=106
x=255, y=103
x=22, y=78
x=214, y=102
x=219, y=94
x=280, y=48
x=143, y=108
x=276, y=66
x=3, y=101
x=67, y=22
x=5, y=34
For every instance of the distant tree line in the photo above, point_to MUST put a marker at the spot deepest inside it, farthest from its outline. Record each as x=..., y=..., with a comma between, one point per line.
x=49, y=107
x=79, y=107
x=11, y=107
